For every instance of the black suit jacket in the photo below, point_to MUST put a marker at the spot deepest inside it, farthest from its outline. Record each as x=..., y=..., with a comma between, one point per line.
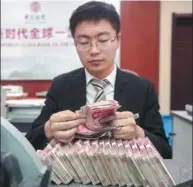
x=134, y=93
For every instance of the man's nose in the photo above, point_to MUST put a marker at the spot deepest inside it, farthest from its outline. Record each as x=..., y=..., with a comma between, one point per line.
x=94, y=49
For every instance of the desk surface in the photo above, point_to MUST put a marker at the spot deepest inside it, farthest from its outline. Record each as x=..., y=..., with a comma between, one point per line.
x=181, y=171
x=182, y=114
x=25, y=102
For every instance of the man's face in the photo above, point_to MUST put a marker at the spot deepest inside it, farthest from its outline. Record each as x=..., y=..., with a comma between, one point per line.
x=96, y=44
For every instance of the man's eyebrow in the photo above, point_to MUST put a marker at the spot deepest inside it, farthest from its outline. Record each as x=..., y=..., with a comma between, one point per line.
x=83, y=36
x=103, y=33
x=88, y=37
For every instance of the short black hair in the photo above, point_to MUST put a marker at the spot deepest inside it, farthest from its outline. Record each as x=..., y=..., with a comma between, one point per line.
x=95, y=11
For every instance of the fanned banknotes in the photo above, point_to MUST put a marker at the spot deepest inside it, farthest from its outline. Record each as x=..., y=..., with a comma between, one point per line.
x=93, y=128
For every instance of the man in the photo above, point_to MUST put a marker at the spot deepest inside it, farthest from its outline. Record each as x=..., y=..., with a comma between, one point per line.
x=95, y=27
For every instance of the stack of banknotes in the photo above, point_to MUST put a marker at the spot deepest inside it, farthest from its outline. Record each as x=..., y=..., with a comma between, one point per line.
x=95, y=158
x=92, y=128
x=107, y=162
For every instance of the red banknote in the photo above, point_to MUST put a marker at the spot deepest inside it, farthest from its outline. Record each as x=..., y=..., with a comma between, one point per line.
x=93, y=128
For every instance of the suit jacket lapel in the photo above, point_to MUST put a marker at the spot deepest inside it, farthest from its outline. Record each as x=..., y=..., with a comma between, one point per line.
x=122, y=92
x=78, y=89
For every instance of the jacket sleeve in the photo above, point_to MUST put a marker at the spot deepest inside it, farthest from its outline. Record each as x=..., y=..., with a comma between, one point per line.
x=153, y=124
x=36, y=135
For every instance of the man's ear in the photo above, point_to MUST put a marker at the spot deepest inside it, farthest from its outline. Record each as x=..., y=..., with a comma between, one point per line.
x=119, y=36
x=119, y=39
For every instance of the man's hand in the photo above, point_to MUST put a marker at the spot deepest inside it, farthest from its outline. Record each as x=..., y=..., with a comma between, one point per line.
x=124, y=126
x=62, y=126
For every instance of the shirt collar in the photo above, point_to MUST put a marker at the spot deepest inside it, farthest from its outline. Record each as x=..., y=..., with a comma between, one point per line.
x=111, y=77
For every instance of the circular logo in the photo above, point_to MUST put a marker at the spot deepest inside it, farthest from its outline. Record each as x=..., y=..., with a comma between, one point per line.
x=35, y=6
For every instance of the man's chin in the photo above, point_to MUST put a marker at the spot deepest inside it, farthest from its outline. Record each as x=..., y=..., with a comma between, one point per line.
x=98, y=72
x=97, y=69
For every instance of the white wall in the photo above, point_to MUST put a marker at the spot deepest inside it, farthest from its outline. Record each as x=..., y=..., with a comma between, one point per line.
x=167, y=8
x=43, y=58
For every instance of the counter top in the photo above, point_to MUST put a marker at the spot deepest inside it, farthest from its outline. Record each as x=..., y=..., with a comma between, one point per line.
x=182, y=114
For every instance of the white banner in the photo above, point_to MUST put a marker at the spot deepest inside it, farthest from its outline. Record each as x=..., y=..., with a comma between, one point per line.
x=35, y=40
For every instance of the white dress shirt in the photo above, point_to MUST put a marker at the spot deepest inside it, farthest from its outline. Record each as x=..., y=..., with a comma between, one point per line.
x=108, y=90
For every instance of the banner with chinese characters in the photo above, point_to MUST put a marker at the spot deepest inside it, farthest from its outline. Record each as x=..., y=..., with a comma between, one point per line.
x=35, y=40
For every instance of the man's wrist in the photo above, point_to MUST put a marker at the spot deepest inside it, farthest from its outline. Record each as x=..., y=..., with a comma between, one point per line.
x=139, y=132
x=47, y=130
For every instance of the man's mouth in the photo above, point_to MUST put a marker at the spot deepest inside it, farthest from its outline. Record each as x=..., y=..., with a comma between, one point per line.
x=96, y=60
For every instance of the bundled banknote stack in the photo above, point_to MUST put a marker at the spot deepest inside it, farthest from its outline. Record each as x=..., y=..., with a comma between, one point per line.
x=96, y=158
x=92, y=128
x=107, y=162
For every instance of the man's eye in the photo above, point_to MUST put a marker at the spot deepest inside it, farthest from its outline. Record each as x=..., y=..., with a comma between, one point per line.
x=102, y=41
x=83, y=43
